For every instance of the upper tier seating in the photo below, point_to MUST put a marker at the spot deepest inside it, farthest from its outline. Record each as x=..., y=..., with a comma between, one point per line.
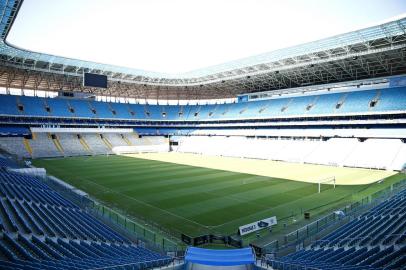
x=42, y=230
x=375, y=240
x=364, y=101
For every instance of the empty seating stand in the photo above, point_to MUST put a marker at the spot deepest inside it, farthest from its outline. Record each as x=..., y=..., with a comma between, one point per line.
x=375, y=240
x=352, y=101
x=42, y=230
x=6, y=162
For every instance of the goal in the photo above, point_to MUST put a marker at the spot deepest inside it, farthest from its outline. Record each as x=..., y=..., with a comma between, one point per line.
x=326, y=181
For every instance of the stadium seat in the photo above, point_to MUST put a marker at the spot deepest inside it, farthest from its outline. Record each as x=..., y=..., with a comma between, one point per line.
x=42, y=230
x=368, y=242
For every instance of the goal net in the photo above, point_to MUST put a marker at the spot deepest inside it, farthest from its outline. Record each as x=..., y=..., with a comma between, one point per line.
x=329, y=182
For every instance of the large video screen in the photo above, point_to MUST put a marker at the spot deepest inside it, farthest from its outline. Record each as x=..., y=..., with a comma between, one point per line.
x=95, y=80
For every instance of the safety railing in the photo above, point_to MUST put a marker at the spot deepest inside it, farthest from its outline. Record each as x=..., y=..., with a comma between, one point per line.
x=158, y=240
x=312, y=229
x=146, y=234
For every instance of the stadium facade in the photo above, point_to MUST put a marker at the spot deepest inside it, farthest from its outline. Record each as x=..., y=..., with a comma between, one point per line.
x=340, y=102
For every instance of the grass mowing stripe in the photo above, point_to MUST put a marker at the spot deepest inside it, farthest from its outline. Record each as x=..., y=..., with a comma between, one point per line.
x=160, y=179
x=193, y=200
x=192, y=183
x=240, y=204
x=269, y=189
x=168, y=180
x=140, y=202
x=187, y=195
x=168, y=194
x=210, y=202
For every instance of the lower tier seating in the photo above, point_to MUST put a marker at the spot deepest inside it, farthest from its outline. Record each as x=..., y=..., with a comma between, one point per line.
x=388, y=154
x=39, y=229
x=375, y=240
x=23, y=252
x=43, y=145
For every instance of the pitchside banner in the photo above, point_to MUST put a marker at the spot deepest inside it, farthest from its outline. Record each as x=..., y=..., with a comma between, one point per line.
x=257, y=225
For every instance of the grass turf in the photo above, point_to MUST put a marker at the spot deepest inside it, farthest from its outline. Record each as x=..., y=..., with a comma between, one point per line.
x=194, y=200
x=311, y=173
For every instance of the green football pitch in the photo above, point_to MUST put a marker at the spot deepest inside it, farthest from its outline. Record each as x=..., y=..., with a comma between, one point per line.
x=197, y=200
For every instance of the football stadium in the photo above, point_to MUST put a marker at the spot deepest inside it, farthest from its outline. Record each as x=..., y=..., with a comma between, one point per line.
x=290, y=159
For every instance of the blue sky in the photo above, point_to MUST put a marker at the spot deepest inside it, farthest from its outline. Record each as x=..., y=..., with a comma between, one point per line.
x=176, y=36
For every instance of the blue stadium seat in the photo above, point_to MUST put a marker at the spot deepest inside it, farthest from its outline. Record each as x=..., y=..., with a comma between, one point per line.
x=325, y=103
x=59, y=107
x=358, y=101
x=42, y=230
x=392, y=99
x=81, y=108
x=122, y=110
x=372, y=241
x=33, y=106
x=102, y=109
x=9, y=105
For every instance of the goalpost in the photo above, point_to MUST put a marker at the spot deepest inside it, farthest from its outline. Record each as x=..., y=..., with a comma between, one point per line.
x=327, y=180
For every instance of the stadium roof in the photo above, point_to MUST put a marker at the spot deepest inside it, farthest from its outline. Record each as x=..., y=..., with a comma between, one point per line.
x=367, y=53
